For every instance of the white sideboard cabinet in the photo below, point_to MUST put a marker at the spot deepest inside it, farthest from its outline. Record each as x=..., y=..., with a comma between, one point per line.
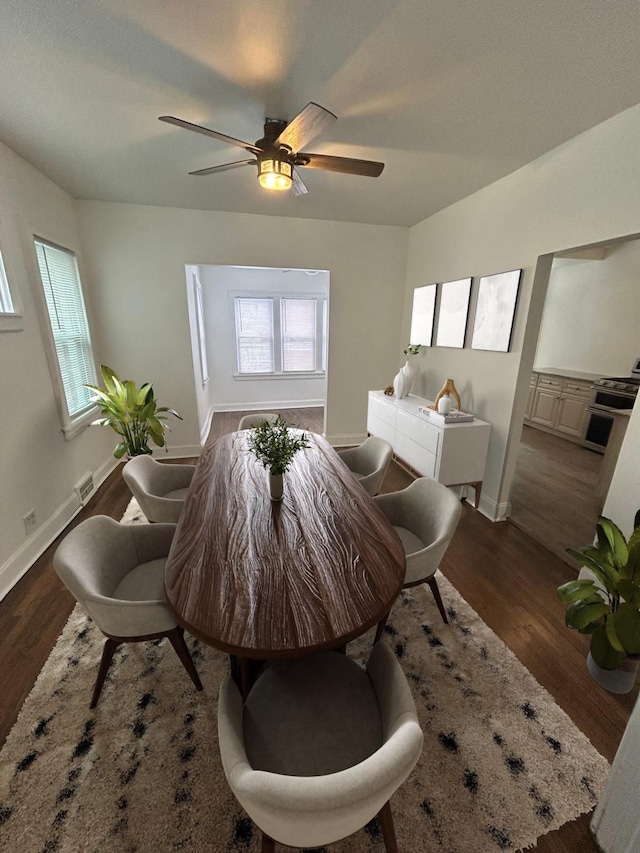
x=453, y=454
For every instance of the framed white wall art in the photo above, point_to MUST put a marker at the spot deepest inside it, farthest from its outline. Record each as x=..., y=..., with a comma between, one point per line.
x=495, y=311
x=452, y=314
x=423, y=315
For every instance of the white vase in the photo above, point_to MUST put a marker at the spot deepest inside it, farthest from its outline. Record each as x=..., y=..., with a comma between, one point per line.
x=399, y=384
x=403, y=380
x=276, y=486
x=620, y=680
x=444, y=404
x=409, y=374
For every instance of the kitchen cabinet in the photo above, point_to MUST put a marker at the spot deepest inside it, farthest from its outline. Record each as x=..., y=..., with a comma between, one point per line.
x=453, y=454
x=559, y=404
x=533, y=382
x=545, y=406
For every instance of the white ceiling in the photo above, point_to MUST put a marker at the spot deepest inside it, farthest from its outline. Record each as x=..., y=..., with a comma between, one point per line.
x=450, y=94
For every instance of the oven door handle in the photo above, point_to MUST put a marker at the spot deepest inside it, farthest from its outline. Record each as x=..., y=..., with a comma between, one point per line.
x=595, y=409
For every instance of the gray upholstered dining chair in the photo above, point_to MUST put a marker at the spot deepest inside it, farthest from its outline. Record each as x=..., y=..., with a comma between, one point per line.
x=425, y=516
x=320, y=746
x=369, y=462
x=159, y=488
x=116, y=573
x=255, y=419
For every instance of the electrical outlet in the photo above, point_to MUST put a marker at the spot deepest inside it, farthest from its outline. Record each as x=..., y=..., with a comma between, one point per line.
x=30, y=522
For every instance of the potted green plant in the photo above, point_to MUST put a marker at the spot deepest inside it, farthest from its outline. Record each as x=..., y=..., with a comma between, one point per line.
x=607, y=604
x=274, y=445
x=132, y=412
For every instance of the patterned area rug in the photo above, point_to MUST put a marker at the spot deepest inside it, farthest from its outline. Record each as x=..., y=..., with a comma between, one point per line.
x=502, y=764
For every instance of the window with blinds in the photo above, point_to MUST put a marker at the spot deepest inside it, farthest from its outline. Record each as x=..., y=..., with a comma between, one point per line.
x=280, y=334
x=68, y=320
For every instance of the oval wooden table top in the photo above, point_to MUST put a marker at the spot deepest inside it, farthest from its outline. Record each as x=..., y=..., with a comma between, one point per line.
x=263, y=579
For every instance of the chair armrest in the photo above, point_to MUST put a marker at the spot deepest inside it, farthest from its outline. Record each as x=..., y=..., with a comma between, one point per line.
x=152, y=541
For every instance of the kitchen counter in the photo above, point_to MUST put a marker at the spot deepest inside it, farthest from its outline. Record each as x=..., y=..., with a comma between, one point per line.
x=569, y=374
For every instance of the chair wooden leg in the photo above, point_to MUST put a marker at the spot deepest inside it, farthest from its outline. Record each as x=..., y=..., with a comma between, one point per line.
x=388, y=831
x=436, y=594
x=176, y=638
x=380, y=629
x=268, y=844
x=107, y=654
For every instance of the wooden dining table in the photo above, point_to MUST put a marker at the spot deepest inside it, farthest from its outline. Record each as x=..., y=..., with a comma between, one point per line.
x=263, y=579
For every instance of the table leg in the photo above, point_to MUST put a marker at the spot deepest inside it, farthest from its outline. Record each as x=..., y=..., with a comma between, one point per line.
x=244, y=671
x=381, y=626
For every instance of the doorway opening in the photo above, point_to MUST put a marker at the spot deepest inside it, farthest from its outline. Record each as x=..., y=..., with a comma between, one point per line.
x=590, y=329
x=259, y=339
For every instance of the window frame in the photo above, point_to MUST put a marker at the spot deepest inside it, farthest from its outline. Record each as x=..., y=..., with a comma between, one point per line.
x=276, y=298
x=13, y=320
x=72, y=425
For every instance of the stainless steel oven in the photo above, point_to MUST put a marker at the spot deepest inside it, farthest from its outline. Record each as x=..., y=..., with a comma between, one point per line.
x=609, y=394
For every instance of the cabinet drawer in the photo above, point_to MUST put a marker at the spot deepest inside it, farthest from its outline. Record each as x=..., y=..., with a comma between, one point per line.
x=423, y=433
x=415, y=455
x=384, y=411
x=381, y=429
x=547, y=381
x=578, y=389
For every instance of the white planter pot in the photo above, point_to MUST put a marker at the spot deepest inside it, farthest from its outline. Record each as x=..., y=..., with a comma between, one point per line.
x=619, y=680
x=276, y=487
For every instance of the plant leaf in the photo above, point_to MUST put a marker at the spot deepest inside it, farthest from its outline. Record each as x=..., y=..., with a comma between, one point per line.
x=617, y=542
x=602, y=651
x=576, y=590
x=604, y=572
x=626, y=623
x=582, y=613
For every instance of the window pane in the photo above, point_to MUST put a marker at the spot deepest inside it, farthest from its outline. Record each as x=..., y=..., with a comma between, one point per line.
x=6, y=303
x=254, y=333
x=65, y=305
x=298, y=334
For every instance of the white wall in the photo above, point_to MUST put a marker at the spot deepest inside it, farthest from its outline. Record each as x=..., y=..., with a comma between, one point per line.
x=136, y=256
x=224, y=391
x=39, y=468
x=581, y=193
x=591, y=319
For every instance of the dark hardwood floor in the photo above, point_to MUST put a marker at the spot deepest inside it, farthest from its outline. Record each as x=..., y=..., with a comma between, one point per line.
x=553, y=496
x=507, y=577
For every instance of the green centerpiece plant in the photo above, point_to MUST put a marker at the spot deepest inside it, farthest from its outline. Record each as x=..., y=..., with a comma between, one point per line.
x=132, y=413
x=274, y=445
x=607, y=605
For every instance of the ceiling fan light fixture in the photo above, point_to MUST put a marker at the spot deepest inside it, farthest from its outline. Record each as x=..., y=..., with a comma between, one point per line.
x=275, y=174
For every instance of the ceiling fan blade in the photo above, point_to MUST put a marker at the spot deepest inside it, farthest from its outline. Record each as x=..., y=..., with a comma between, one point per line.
x=348, y=165
x=298, y=187
x=187, y=125
x=309, y=122
x=223, y=168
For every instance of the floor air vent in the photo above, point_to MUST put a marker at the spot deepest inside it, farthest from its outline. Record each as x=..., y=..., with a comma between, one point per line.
x=84, y=489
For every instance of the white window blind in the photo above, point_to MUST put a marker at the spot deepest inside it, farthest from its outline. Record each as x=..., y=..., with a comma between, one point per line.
x=254, y=334
x=280, y=334
x=298, y=334
x=65, y=305
x=6, y=303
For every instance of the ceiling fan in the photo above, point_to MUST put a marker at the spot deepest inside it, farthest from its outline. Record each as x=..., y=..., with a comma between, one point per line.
x=278, y=155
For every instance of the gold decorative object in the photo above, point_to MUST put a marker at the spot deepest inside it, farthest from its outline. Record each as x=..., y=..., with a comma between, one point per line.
x=448, y=388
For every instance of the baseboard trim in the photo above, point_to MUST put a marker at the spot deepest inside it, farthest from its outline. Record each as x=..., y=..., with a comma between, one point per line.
x=346, y=440
x=21, y=560
x=178, y=452
x=262, y=407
